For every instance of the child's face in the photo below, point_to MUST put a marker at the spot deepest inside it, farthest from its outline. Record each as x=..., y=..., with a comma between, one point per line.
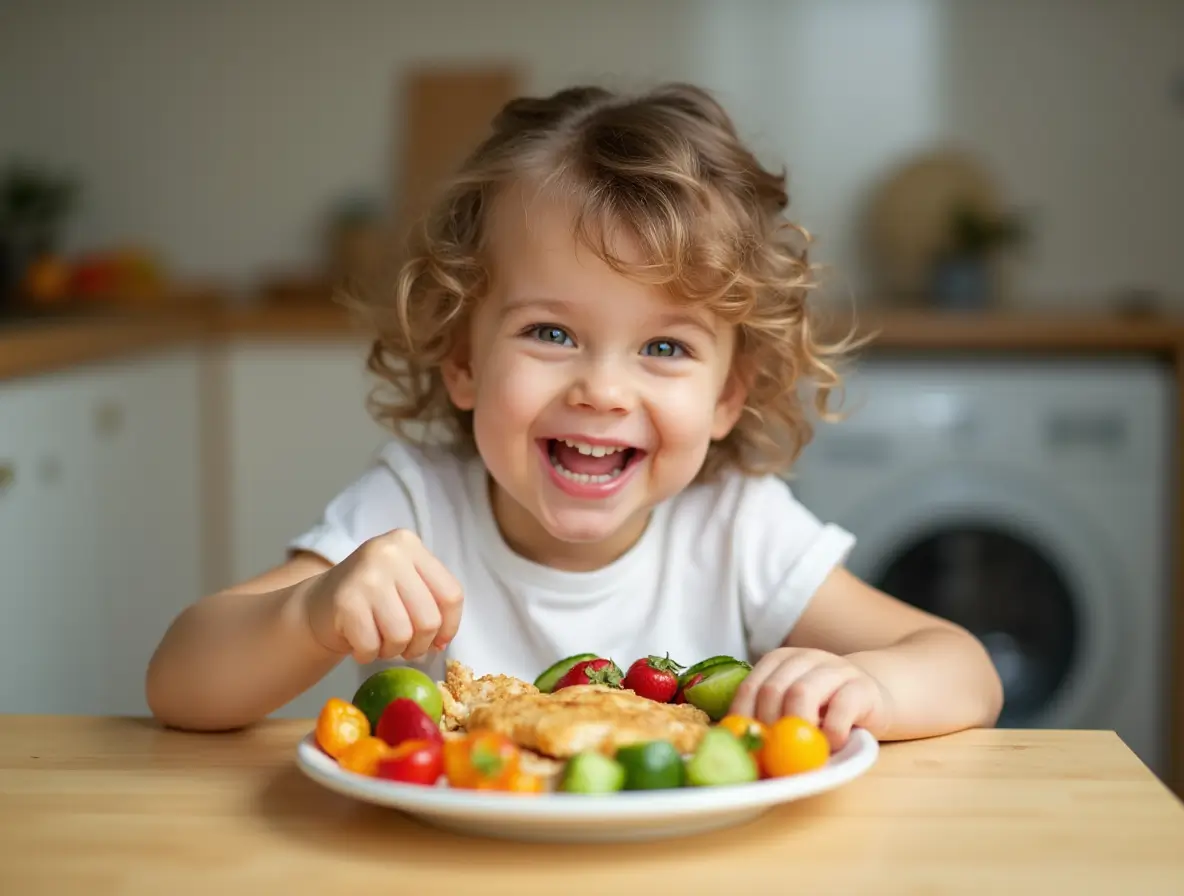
x=594, y=397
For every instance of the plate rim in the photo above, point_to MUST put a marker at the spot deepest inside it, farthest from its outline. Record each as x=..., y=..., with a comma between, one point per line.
x=858, y=755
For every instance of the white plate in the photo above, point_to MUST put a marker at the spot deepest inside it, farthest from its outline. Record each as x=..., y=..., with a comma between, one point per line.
x=583, y=818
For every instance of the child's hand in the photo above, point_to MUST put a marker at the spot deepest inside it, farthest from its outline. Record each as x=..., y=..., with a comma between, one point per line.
x=389, y=598
x=820, y=687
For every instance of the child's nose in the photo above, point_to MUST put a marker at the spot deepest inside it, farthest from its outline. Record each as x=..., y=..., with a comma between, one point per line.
x=602, y=387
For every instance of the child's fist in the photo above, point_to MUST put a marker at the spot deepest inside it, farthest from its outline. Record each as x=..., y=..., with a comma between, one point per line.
x=389, y=598
x=823, y=688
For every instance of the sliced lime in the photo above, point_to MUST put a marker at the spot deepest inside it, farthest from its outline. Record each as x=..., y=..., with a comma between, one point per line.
x=550, y=677
x=714, y=694
x=721, y=758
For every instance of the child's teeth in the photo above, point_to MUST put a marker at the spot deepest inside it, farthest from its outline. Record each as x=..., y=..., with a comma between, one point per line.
x=593, y=450
x=584, y=478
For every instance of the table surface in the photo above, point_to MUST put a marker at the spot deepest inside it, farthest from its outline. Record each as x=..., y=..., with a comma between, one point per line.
x=103, y=805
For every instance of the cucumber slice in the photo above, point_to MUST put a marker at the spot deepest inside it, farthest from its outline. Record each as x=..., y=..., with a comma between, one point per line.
x=550, y=677
x=710, y=662
x=592, y=772
x=721, y=759
x=715, y=693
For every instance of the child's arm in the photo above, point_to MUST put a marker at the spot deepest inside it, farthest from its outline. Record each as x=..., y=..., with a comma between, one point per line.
x=858, y=657
x=233, y=657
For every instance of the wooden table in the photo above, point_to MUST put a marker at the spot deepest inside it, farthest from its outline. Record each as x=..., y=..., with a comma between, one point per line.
x=99, y=806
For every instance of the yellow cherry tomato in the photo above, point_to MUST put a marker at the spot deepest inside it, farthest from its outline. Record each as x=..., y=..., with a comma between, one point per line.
x=793, y=746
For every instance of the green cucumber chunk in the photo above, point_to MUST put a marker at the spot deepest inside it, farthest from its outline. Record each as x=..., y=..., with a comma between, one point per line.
x=709, y=663
x=550, y=677
x=592, y=772
x=719, y=760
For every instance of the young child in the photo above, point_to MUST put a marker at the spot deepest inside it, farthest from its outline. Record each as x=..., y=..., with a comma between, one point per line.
x=608, y=313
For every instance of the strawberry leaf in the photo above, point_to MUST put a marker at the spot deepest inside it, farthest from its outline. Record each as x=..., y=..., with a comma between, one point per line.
x=608, y=675
x=664, y=664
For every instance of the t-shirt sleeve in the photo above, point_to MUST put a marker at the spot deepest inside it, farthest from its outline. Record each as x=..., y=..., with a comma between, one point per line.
x=784, y=553
x=375, y=503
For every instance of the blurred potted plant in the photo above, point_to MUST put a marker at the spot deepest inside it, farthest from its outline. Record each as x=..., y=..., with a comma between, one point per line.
x=34, y=205
x=963, y=276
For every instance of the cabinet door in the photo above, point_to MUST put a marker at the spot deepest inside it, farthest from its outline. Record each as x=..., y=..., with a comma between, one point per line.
x=53, y=647
x=299, y=432
x=144, y=415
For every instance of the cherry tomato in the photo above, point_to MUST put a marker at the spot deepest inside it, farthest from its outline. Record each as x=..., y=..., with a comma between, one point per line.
x=751, y=732
x=481, y=760
x=413, y=762
x=793, y=746
x=339, y=726
x=363, y=757
x=404, y=719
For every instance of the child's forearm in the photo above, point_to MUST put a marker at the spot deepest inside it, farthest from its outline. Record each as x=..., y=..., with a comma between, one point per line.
x=937, y=680
x=232, y=658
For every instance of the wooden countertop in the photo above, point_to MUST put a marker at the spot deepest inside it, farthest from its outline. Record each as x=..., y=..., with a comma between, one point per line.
x=123, y=806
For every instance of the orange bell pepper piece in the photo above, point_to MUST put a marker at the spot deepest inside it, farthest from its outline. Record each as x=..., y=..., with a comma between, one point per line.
x=365, y=756
x=481, y=760
x=339, y=726
x=524, y=782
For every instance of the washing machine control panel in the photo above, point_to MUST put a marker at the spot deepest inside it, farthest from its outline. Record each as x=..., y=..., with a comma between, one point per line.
x=1076, y=418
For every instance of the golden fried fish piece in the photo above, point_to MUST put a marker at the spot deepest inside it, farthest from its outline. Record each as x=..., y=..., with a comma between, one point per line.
x=461, y=693
x=588, y=717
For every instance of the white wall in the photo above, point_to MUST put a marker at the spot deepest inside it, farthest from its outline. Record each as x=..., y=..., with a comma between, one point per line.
x=221, y=131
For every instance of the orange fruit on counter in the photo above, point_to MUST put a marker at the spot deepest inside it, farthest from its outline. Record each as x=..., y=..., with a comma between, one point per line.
x=47, y=279
x=793, y=746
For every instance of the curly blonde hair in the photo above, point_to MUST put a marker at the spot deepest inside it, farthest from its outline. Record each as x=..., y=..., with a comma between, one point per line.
x=668, y=167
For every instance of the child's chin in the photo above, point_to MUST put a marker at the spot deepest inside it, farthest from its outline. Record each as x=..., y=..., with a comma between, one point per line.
x=583, y=527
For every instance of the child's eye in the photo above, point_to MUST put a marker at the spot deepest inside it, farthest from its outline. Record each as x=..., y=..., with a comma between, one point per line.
x=664, y=348
x=552, y=334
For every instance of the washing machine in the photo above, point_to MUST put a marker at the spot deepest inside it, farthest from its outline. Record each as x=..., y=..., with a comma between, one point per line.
x=1028, y=502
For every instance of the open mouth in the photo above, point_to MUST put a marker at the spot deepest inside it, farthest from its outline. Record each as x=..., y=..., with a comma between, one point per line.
x=589, y=464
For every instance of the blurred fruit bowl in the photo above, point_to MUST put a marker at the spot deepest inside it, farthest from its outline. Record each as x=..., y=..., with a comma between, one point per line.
x=122, y=275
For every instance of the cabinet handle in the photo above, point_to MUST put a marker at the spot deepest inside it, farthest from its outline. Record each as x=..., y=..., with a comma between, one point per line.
x=109, y=418
x=7, y=476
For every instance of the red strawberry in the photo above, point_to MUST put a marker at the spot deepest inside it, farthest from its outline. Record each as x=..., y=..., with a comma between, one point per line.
x=654, y=677
x=598, y=671
x=691, y=682
x=404, y=719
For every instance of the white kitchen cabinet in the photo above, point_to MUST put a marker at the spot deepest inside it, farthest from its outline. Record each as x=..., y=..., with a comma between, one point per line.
x=51, y=648
x=100, y=529
x=146, y=418
x=297, y=431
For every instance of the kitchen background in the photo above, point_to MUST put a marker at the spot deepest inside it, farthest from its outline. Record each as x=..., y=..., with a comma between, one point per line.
x=1001, y=183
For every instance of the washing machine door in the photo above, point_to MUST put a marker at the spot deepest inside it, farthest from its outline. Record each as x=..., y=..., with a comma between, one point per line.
x=1011, y=564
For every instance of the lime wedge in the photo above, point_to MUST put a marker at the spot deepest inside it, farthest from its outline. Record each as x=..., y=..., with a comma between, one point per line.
x=714, y=694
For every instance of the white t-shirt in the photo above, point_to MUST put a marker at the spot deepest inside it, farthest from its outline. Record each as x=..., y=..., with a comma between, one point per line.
x=722, y=568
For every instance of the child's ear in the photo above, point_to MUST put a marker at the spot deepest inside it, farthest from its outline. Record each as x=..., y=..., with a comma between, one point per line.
x=457, y=370
x=730, y=404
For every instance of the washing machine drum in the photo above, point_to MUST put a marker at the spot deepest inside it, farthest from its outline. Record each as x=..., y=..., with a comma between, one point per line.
x=1027, y=580
x=1008, y=592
